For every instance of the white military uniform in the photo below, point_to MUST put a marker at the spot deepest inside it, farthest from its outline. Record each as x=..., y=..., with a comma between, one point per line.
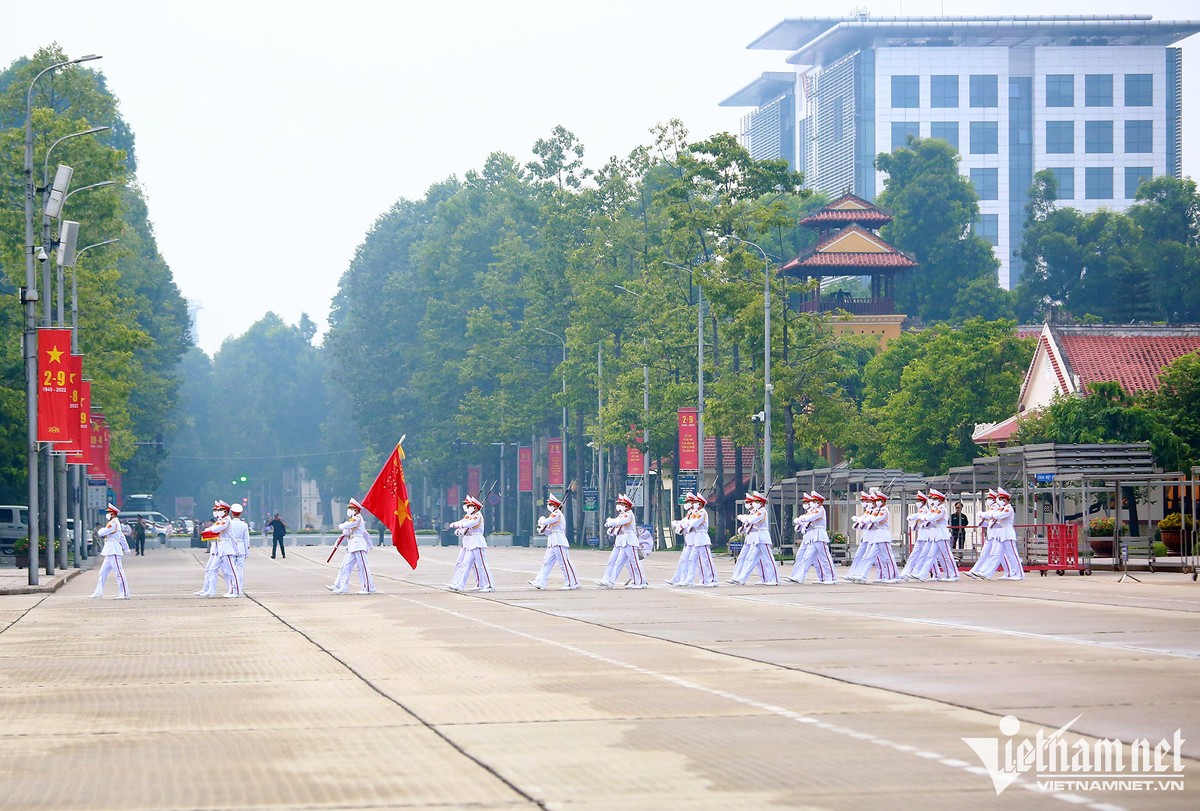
x=558, y=552
x=221, y=557
x=1003, y=551
x=358, y=543
x=114, y=549
x=469, y=529
x=812, y=526
x=757, y=552
x=920, y=559
x=939, y=529
x=695, y=527
x=878, y=537
x=687, y=554
x=989, y=540
x=623, y=528
x=241, y=546
x=860, y=522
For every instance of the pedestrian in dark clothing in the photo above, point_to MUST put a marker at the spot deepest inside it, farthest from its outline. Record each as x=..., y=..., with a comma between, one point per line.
x=139, y=536
x=278, y=530
x=958, y=525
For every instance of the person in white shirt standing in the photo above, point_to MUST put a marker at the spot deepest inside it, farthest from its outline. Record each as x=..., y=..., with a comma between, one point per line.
x=358, y=544
x=241, y=542
x=469, y=529
x=115, y=547
x=554, y=527
x=623, y=529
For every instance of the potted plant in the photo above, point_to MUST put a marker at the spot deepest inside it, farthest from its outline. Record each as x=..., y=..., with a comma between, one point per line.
x=839, y=546
x=1100, y=534
x=735, y=544
x=1172, y=528
x=21, y=551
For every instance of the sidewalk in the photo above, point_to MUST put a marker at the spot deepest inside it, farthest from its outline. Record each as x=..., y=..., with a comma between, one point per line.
x=16, y=581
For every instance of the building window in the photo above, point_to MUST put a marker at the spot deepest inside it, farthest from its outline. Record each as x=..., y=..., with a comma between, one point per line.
x=901, y=130
x=1098, y=183
x=986, y=183
x=1097, y=90
x=1139, y=136
x=1060, y=137
x=984, y=92
x=985, y=138
x=1060, y=90
x=1139, y=89
x=1134, y=175
x=943, y=91
x=1064, y=178
x=838, y=119
x=987, y=228
x=906, y=91
x=946, y=131
x=1098, y=137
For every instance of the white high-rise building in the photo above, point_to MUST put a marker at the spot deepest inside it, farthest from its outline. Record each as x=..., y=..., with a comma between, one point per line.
x=1097, y=100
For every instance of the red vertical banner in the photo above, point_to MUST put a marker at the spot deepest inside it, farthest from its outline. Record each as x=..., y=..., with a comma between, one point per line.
x=74, y=446
x=473, y=476
x=554, y=462
x=635, y=462
x=96, y=457
x=54, y=370
x=452, y=498
x=689, y=451
x=105, y=458
x=85, y=423
x=524, y=470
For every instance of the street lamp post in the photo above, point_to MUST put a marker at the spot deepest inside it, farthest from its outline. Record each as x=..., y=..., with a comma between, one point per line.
x=563, y=435
x=645, y=427
x=699, y=376
x=30, y=299
x=767, y=387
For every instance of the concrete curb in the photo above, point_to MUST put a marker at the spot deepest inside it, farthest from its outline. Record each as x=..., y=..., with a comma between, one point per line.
x=44, y=588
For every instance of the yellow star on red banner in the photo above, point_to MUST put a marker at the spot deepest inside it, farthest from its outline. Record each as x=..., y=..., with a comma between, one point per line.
x=55, y=354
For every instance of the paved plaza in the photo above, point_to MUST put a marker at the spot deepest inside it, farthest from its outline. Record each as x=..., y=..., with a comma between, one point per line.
x=838, y=697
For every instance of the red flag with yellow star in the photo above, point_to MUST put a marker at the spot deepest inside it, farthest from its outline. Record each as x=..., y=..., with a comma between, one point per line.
x=54, y=395
x=387, y=500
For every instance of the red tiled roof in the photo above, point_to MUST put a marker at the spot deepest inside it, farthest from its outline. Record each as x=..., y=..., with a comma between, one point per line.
x=710, y=454
x=999, y=433
x=1134, y=361
x=825, y=218
x=833, y=252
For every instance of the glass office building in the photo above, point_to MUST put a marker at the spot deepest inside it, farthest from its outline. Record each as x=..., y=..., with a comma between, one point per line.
x=1094, y=99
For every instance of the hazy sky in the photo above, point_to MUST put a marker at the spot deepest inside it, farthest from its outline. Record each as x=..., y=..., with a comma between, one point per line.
x=271, y=135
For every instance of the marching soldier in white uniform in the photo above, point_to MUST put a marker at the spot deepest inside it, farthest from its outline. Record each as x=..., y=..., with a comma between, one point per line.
x=811, y=526
x=554, y=527
x=696, y=529
x=469, y=529
x=686, y=557
x=757, y=552
x=115, y=547
x=986, y=522
x=358, y=544
x=939, y=531
x=860, y=521
x=241, y=542
x=623, y=529
x=878, y=536
x=1004, y=542
x=920, y=559
x=220, y=561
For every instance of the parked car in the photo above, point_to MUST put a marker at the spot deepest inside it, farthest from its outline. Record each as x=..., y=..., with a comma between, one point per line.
x=14, y=524
x=184, y=526
x=158, y=525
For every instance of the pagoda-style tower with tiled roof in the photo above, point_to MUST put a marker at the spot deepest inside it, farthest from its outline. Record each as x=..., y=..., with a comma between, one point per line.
x=848, y=245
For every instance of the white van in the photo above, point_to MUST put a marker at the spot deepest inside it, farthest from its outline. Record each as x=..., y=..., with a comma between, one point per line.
x=14, y=524
x=158, y=525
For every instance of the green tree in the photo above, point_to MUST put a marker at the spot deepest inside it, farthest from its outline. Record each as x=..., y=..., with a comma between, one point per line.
x=926, y=392
x=934, y=209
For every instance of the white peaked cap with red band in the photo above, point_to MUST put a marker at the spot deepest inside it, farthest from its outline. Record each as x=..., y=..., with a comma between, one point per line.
x=474, y=502
x=353, y=504
x=220, y=505
x=937, y=494
x=554, y=500
x=807, y=497
x=112, y=508
x=880, y=495
x=759, y=497
x=991, y=493
x=1002, y=493
x=236, y=509
x=699, y=499
x=921, y=496
x=626, y=500
x=815, y=496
